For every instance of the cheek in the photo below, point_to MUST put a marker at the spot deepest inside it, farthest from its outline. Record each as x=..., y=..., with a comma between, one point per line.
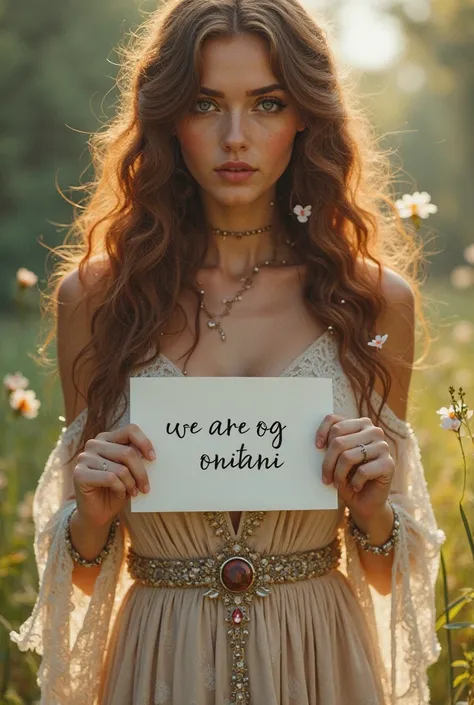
x=276, y=148
x=195, y=145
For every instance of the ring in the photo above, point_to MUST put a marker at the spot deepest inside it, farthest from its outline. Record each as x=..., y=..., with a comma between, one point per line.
x=364, y=451
x=105, y=465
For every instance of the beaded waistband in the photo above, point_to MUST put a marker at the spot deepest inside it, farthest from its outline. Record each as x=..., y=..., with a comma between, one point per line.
x=237, y=575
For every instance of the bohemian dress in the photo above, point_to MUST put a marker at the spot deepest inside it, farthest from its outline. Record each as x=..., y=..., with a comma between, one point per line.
x=327, y=640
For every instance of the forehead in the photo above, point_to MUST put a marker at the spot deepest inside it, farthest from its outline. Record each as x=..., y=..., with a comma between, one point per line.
x=236, y=64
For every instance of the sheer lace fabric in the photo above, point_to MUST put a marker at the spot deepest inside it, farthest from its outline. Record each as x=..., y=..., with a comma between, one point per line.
x=72, y=631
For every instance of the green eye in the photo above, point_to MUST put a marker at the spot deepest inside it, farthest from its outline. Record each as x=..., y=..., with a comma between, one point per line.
x=273, y=101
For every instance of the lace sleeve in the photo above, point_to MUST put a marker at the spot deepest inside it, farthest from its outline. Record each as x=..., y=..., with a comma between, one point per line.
x=410, y=645
x=66, y=627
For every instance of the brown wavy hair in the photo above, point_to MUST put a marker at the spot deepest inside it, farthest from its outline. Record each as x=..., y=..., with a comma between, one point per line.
x=143, y=213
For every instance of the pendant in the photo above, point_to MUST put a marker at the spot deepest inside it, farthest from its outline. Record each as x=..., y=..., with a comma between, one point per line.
x=241, y=576
x=211, y=324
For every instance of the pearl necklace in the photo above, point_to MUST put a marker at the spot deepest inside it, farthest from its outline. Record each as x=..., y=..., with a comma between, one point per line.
x=214, y=320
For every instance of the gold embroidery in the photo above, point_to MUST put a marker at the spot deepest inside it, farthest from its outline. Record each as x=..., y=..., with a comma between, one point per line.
x=236, y=575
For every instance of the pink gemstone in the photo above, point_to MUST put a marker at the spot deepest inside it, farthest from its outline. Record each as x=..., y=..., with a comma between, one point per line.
x=237, y=616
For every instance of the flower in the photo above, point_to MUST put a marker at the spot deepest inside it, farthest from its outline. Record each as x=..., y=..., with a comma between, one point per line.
x=26, y=279
x=462, y=277
x=16, y=381
x=25, y=403
x=378, y=341
x=449, y=420
x=417, y=204
x=302, y=213
x=469, y=254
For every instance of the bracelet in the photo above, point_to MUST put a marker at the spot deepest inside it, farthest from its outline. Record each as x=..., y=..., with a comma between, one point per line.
x=363, y=539
x=77, y=556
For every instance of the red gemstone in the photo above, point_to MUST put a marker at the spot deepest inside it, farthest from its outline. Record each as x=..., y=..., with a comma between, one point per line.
x=237, y=574
x=237, y=616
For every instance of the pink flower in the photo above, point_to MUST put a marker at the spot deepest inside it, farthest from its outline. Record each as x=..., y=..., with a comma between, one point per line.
x=378, y=341
x=26, y=279
x=302, y=213
x=16, y=381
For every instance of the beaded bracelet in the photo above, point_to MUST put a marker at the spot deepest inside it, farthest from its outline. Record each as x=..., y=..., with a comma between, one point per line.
x=77, y=556
x=363, y=539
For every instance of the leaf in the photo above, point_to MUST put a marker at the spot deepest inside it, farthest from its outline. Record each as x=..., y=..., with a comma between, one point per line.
x=460, y=679
x=460, y=663
x=460, y=690
x=455, y=607
x=459, y=625
x=467, y=528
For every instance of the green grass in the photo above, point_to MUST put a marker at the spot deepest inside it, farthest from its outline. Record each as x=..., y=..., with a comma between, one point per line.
x=25, y=445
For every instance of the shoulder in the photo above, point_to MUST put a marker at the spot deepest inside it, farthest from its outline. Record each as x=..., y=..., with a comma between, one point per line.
x=74, y=286
x=398, y=322
x=76, y=304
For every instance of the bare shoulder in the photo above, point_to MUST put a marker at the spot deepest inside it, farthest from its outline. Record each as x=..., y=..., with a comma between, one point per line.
x=75, y=308
x=73, y=287
x=398, y=323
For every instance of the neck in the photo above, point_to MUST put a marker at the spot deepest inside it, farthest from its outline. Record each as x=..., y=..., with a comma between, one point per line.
x=235, y=256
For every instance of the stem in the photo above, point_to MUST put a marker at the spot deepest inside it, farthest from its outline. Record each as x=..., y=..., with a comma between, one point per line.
x=448, y=635
x=464, y=464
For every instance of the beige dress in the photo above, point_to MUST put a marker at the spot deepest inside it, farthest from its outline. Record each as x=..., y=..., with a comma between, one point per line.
x=329, y=640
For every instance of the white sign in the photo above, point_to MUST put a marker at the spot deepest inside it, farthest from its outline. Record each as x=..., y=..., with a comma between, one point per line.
x=232, y=443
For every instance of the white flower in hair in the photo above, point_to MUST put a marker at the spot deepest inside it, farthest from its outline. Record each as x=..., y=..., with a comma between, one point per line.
x=302, y=213
x=378, y=341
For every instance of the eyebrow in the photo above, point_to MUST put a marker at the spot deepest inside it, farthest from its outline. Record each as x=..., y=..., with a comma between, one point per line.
x=256, y=91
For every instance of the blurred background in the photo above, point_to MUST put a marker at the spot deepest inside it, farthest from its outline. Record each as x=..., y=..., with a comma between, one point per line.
x=414, y=63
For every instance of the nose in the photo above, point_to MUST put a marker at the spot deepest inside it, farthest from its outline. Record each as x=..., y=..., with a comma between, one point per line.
x=233, y=132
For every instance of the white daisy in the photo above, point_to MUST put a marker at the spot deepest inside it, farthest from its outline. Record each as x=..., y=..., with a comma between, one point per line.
x=416, y=204
x=24, y=401
x=449, y=420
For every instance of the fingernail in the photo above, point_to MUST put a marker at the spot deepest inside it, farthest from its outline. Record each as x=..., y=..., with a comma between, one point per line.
x=319, y=443
x=325, y=480
x=134, y=491
x=146, y=489
x=152, y=455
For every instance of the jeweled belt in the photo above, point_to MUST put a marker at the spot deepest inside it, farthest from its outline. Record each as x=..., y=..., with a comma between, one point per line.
x=236, y=574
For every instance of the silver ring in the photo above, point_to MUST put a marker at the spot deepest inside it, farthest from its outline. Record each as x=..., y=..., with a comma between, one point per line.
x=364, y=451
x=105, y=465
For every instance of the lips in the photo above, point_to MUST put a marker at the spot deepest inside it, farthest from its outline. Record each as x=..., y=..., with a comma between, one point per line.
x=235, y=166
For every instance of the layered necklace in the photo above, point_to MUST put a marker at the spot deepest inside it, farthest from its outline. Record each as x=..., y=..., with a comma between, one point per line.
x=214, y=320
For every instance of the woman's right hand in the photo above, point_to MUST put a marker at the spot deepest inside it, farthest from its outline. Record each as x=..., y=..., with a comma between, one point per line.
x=100, y=493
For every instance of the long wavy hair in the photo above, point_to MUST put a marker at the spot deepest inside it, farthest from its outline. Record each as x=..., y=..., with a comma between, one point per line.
x=142, y=211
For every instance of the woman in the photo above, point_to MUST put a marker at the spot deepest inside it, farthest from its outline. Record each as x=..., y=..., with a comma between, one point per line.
x=290, y=267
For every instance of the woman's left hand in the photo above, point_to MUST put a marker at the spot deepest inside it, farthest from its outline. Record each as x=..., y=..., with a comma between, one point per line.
x=363, y=487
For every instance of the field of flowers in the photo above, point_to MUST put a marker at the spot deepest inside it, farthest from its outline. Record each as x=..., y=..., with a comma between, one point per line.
x=30, y=421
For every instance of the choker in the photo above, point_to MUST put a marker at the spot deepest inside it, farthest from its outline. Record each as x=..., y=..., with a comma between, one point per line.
x=241, y=233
